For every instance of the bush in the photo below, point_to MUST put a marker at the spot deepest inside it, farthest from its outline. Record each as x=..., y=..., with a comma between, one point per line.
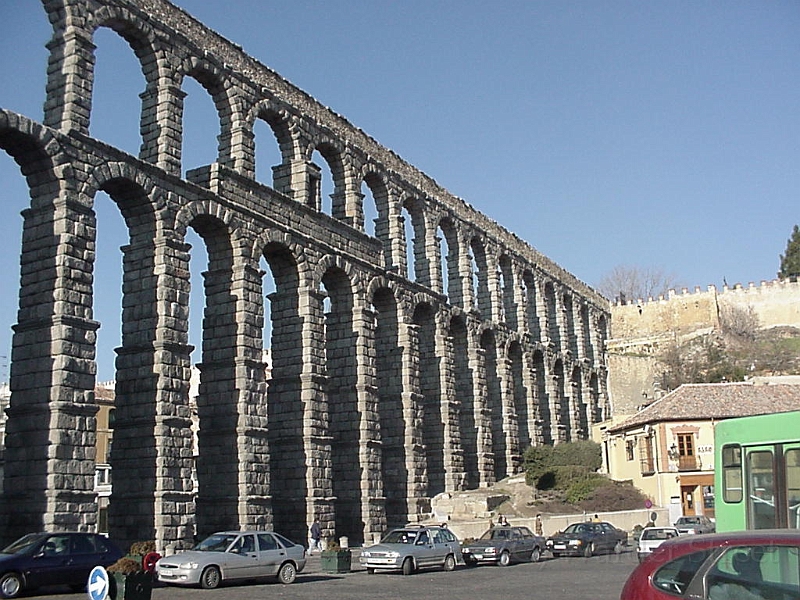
x=617, y=496
x=545, y=465
x=143, y=548
x=584, y=489
x=126, y=566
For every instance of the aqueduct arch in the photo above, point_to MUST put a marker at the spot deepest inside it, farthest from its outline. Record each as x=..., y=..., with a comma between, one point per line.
x=383, y=391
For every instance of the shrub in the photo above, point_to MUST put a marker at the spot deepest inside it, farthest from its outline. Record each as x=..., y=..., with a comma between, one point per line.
x=126, y=566
x=143, y=548
x=581, y=490
x=557, y=466
x=617, y=496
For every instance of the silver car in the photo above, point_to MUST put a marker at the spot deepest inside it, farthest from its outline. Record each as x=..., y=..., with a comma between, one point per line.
x=232, y=555
x=693, y=524
x=411, y=548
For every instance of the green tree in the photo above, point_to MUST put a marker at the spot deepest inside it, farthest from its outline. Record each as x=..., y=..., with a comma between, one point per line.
x=790, y=262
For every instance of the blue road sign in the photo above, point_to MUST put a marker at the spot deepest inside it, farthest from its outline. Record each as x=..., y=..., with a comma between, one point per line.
x=97, y=585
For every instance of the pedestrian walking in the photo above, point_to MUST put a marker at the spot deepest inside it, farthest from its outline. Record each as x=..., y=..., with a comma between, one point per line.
x=316, y=537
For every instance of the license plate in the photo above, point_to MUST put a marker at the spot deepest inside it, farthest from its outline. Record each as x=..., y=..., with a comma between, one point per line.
x=560, y=547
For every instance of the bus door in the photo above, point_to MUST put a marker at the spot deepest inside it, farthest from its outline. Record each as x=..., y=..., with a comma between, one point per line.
x=761, y=473
x=791, y=477
x=773, y=486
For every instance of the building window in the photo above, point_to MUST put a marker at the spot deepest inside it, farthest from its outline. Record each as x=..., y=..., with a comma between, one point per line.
x=646, y=461
x=687, y=460
x=629, y=444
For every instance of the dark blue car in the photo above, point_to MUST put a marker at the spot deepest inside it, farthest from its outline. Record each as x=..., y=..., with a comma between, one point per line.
x=586, y=539
x=40, y=559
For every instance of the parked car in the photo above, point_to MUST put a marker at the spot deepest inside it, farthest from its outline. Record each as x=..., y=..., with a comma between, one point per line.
x=232, y=555
x=502, y=545
x=40, y=559
x=754, y=564
x=410, y=548
x=586, y=539
x=695, y=524
x=652, y=537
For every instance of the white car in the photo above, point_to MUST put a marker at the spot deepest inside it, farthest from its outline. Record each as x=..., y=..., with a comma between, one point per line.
x=410, y=548
x=652, y=538
x=231, y=555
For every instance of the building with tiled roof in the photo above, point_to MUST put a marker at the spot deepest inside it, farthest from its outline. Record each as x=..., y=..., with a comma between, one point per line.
x=667, y=448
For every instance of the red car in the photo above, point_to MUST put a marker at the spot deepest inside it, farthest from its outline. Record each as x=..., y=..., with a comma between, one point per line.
x=742, y=565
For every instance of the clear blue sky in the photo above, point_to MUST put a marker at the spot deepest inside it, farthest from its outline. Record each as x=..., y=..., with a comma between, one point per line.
x=654, y=134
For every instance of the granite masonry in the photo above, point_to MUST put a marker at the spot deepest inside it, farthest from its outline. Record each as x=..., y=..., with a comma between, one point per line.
x=396, y=375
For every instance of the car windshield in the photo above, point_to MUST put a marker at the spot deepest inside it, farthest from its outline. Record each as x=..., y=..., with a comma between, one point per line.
x=400, y=536
x=688, y=521
x=24, y=543
x=578, y=528
x=658, y=534
x=219, y=542
x=496, y=534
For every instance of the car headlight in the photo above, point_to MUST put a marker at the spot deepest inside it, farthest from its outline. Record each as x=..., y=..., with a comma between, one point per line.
x=548, y=542
x=365, y=553
x=490, y=550
x=575, y=542
x=393, y=554
x=188, y=565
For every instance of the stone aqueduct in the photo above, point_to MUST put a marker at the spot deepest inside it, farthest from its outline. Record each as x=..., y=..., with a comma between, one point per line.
x=385, y=389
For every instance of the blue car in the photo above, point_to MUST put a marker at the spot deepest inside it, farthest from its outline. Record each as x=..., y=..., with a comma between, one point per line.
x=587, y=539
x=40, y=559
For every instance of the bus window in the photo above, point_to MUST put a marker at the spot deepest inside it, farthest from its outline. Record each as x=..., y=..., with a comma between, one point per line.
x=761, y=490
x=792, y=461
x=732, y=474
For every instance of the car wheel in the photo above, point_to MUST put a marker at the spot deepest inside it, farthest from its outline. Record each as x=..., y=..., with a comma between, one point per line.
x=11, y=585
x=210, y=578
x=408, y=566
x=536, y=554
x=449, y=563
x=505, y=559
x=287, y=573
x=618, y=548
x=590, y=549
x=370, y=571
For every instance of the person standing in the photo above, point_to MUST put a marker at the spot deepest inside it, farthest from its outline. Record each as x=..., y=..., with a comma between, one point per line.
x=316, y=537
x=538, y=525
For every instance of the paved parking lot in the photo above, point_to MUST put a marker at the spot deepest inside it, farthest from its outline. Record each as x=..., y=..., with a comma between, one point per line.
x=597, y=578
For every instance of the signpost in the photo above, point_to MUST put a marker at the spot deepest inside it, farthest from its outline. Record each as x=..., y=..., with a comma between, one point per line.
x=97, y=585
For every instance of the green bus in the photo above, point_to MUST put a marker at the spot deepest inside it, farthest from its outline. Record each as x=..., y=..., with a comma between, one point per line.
x=757, y=472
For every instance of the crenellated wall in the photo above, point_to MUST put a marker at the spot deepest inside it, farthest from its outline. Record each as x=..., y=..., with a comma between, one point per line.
x=775, y=303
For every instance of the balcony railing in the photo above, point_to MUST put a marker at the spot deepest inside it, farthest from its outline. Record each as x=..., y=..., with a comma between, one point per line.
x=687, y=463
x=647, y=465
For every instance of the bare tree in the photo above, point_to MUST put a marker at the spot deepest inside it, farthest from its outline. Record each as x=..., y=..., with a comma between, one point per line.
x=630, y=283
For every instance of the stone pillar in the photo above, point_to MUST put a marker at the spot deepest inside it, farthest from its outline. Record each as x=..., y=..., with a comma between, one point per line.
x=483, y=417
x=162, y=125
x=455, y=476
x=152, y=455
x=510, y=426
x=373, y=499
x=255, y=502
x=50, y=428
x=416, y=464
x=70, y=80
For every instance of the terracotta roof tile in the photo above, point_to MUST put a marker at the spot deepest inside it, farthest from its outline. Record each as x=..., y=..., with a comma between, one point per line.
x=701, y=401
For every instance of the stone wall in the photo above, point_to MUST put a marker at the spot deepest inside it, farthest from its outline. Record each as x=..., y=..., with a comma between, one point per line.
x=639, y=329
x=384, y=390
x=775, y=303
